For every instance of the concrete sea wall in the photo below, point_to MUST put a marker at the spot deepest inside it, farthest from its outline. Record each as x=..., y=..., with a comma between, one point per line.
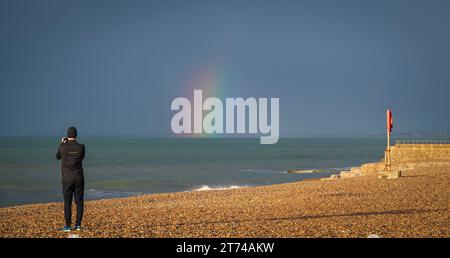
x=404, y=157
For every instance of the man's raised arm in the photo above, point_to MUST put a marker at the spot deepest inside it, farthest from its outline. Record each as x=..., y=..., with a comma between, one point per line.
x=58, y=153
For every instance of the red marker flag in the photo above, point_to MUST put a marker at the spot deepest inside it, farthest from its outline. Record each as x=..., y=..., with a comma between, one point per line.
x=389, y=123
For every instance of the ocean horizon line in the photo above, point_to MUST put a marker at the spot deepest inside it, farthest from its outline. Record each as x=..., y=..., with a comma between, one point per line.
x=319, y=136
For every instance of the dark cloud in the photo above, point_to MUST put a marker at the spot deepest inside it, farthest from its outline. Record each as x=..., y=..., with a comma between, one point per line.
x=113, y=67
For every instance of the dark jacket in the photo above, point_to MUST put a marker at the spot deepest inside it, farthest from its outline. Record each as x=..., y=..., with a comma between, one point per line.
x=72, y=154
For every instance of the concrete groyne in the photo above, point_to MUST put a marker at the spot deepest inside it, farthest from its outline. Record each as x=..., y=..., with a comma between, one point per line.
x=405, y=156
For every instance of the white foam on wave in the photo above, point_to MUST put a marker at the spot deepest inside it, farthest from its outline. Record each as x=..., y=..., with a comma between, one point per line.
x=318, y=170
x=215, y=188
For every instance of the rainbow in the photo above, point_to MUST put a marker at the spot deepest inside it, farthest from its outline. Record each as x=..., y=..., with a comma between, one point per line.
x=211, y=82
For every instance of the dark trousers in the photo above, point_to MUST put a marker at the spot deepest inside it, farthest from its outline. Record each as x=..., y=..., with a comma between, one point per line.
x=72, y=189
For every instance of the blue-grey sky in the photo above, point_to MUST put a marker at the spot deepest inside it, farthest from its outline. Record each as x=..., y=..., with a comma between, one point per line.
x=113, y=67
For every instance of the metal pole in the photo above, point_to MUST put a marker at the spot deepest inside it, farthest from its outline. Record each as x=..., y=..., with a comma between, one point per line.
x=388, y=152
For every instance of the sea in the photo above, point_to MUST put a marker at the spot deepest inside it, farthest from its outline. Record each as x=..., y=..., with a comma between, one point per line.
x=127, y=166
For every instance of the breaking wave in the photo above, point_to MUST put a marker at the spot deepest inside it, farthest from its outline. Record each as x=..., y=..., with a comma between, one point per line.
x=215, y=188
x=308, y=171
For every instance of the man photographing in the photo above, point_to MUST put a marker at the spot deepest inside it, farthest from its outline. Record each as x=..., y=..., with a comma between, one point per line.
x=72, y=154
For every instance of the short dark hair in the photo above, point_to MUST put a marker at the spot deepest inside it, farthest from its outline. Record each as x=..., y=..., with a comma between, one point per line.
x=72, y=132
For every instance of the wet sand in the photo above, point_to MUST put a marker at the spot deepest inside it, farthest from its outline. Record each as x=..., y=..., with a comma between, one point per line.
x=415, y=205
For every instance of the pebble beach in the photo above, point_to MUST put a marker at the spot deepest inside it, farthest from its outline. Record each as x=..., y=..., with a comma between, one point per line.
x=414, y=205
